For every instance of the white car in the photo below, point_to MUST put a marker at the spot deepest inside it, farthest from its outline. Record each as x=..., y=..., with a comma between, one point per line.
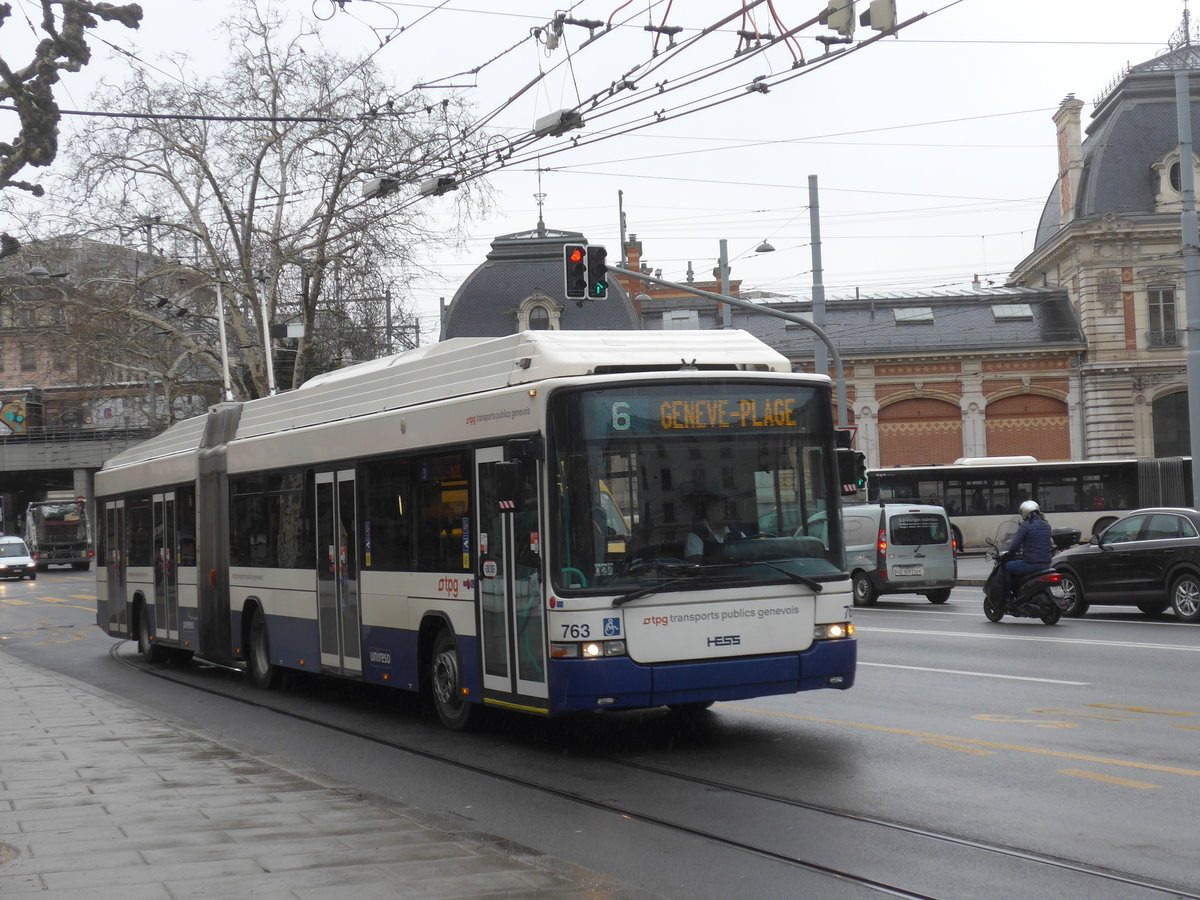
x=15, y=559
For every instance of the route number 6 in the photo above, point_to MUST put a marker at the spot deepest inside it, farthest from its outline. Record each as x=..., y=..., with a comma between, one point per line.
x=621, y=420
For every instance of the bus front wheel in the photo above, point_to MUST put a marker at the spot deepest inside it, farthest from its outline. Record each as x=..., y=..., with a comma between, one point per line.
x=446, y=684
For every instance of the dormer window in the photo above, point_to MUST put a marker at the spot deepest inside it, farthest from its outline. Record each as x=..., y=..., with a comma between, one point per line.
x=1168, y=182
x=537, y=312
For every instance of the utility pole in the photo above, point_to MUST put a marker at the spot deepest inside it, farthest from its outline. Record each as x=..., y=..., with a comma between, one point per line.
x=1190, y=249
x=818, y=284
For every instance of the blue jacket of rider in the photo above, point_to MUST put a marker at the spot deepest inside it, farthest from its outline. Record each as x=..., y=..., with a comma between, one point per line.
x=1033, y=541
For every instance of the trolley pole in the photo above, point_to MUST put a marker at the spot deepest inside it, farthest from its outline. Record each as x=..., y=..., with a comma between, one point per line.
x=839, y=374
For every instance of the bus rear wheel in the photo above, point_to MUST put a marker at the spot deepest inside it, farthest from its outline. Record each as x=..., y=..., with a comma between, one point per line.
x=446, y=684
x=262, y=672
x=149, y=649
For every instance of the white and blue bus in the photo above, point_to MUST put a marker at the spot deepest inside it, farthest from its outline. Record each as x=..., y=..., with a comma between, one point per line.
x=980, y=493
x=500, y=522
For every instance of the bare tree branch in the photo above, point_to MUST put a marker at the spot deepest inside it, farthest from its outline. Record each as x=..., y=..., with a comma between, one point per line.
x=30, y=87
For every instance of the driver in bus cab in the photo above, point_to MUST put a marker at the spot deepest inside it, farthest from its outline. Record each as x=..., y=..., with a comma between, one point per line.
x=706, y=539
x=1031, y=547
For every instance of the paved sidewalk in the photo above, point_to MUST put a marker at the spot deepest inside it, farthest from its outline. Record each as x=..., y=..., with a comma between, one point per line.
x=101, y=799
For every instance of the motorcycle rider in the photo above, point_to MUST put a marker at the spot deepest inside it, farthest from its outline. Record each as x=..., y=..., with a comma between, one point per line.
x=1031, y=547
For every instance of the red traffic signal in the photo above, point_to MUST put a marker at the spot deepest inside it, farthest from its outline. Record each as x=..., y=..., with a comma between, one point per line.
x=575, y=271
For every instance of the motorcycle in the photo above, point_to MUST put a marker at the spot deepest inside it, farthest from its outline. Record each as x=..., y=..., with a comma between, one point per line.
x=1036, y=595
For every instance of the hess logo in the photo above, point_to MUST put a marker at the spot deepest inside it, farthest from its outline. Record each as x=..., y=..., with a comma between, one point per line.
x=725, y=640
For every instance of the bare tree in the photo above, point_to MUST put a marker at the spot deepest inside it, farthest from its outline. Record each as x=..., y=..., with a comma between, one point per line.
x=30, y=87
x=253, y=180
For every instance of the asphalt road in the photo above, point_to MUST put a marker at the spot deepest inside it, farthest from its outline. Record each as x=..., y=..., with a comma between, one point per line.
x=1075, y=742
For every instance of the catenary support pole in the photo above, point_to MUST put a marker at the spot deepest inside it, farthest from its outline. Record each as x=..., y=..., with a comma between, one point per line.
x=1190, y=248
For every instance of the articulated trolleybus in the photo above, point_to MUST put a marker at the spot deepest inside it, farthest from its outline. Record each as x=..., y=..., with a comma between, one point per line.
x=500, y=521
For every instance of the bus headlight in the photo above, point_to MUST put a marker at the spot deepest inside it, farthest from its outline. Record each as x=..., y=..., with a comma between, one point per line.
x=833, y=631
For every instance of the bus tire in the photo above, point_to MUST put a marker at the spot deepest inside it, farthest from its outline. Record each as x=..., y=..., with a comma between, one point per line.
x=446, y=684
x=1101, y=523
x=262, y=672
x=1076, y=604
x=81, y=567
x=941, y=595
x=150, y=649
x=1185, y=598
x=864, y=592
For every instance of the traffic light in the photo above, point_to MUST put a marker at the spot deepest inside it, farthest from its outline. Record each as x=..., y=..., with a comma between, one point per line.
x=597, y=273
x=880, y=15
x=852, y=470
x=860, y=469
x=839, y=15
x=575, y=271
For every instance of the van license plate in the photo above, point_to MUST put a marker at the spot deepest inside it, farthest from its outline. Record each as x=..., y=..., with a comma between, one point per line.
x=909, y=570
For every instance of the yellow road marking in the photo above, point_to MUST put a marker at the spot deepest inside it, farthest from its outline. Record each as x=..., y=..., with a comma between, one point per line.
x=1108, y=779
x=46, y=599
x=954, y=745
x=1187, y=727
x=996, y=745
x=83, y=596
x=1145, y=710
x=16, y=602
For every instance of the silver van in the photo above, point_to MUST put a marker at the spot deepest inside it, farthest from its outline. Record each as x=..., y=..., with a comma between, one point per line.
x=899, y=548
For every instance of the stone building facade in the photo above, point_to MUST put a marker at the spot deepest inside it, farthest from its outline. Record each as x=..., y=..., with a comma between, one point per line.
x=1110, y=235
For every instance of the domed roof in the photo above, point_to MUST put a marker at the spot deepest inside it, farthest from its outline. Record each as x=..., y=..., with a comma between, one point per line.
x=518, y=267
x=1133, y=128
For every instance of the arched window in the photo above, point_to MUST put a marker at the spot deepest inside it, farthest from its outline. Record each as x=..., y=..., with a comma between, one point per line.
x=538, y=312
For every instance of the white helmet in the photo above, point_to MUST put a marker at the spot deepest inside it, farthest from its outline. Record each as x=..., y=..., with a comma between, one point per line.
x=1028, y=508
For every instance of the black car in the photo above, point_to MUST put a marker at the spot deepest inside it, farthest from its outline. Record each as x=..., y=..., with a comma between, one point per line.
x=1149, y=559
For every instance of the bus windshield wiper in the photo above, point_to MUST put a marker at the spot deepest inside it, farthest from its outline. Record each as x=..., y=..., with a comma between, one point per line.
x=816, y=586
x=648, y=590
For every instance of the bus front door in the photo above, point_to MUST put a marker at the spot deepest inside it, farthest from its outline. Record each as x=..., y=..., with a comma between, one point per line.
x=166, y=568
x=510, y=577
x=112, y=612
x=338, y=613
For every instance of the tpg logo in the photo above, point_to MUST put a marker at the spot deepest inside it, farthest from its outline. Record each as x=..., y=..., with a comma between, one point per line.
x=725, y=640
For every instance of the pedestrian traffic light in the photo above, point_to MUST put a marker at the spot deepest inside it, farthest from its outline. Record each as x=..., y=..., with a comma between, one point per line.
x=597, y=273
x=575, y=271
x=839, y=15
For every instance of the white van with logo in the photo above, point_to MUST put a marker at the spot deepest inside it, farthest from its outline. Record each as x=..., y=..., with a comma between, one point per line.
x=899, y=548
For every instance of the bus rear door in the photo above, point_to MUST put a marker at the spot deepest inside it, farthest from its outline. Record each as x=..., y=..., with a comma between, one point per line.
x=510, y=576
x=338, y=606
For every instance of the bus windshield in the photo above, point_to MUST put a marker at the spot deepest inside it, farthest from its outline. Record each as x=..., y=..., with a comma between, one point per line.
x=713, y=479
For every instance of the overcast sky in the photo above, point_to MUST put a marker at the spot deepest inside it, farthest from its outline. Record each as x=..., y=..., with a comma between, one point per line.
x=934, y=150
